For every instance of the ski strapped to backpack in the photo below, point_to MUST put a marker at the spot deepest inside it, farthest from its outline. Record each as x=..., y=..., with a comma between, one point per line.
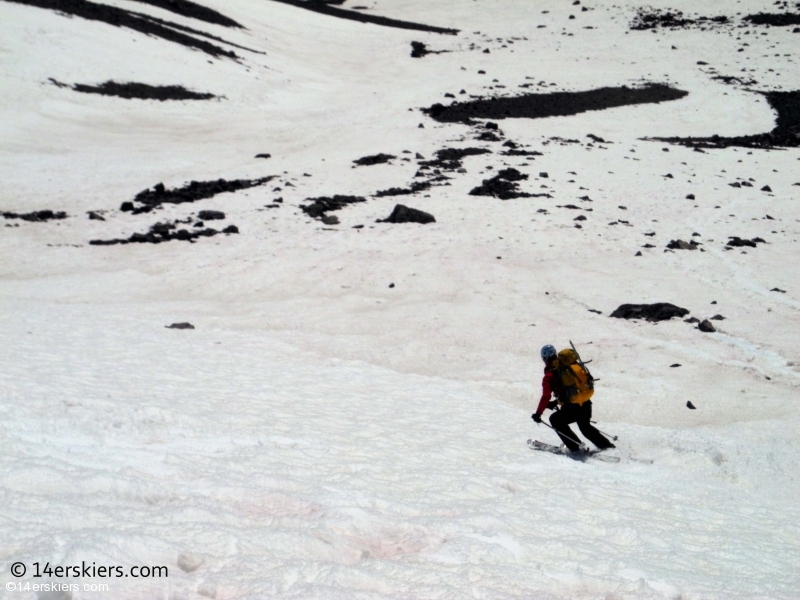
x=576, y=380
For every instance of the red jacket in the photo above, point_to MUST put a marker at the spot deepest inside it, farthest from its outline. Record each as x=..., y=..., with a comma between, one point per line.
x=547, y=388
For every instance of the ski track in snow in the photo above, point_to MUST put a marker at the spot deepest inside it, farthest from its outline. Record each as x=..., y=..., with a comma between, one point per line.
x=322, y=435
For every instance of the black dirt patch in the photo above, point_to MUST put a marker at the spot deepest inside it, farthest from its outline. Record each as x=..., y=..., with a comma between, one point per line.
x=39, y=216
x=555, y=104
x=147, y=200
x=140, y=22
x=660, y=311
x=320, y=206
x=405, y=214
x=449, y=159
x=331, y=11
x=165, y=232
x=193, y=11
x=785, y=135
x=375, y=159
x=140, y=91
x=774, y=19
x=415, y=187
x=672, y=19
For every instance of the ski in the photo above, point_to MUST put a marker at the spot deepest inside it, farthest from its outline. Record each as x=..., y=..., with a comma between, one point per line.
x=598, y=454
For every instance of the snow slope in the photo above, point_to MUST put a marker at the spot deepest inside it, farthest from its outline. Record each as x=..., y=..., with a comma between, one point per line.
x=322, y=435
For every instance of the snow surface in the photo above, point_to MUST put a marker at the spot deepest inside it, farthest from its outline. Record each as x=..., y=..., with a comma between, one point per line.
x=322, y=435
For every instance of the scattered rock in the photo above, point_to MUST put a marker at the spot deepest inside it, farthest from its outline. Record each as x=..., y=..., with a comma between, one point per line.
x=691, y=320
x=405, y=214
x=375, y=159
x=391, y=285
x=706, y=326
x=778, y=290
x=263, y=155
x=94, y=216
x=503, y=186
x=681, y=245
x=415, y=187
x=597, y=312
x=39, y=216
x=690, y=405
x=651, y=18
x=165, y=232
x=690, y=197
x=449, y=159
x=183, y=325
x=717, y=318
x=211, y=215
x=148, y=199
x=675, y=365
x=329, y=219
x=660, y=311
x=319, y=206
x=766, y=188
x=737, y=242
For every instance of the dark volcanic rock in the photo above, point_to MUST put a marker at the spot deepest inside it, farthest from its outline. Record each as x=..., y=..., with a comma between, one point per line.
x=786, y=133
x=706, y=327
x=660, y=311
x=193, y=11
x=210, y=215
x=690, y=406
x=537, y=106
x=142, y=91
x=94, y=216
x=738, y=242
x=375, y=159
x=183, y=325
x=39, y=216
x=417, y=186
x=319, y=206
x=165, y=232
x=119, y=17
x=148, y=199
x=405, y=214
x=653, y=19
x=325, y=9
x=264, y=155
x=681, y=245
x=449, y=159
x=418, y=50
x=503, y=185
x=774, y=19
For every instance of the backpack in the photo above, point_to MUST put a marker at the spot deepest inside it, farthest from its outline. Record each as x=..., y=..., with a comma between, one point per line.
x=575, y=378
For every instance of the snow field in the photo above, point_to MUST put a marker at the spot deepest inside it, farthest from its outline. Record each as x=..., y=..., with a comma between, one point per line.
x=297, y=476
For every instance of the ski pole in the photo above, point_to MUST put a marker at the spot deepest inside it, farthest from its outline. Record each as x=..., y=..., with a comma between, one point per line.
x=564, y=434
x=613, y=437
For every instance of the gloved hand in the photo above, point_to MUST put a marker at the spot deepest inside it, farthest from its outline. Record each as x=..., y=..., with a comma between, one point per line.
x=536, y=417
x=552, y=404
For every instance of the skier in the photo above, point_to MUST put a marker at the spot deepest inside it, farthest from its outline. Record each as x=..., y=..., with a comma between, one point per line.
x=574, y=410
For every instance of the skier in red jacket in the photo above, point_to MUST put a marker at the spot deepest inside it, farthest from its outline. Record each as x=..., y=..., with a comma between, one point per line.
x=570, y=412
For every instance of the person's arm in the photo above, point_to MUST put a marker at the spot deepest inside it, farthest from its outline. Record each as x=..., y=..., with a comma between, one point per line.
x=547, y=391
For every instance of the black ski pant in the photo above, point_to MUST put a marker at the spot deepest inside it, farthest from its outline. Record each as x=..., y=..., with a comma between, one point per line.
x=582, y=415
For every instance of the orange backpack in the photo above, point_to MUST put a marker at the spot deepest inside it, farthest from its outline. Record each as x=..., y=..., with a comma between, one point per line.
x=576, y=379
